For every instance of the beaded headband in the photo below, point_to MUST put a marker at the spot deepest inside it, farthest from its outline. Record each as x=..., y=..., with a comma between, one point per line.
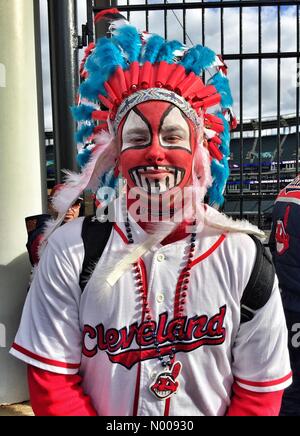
x=155, y=94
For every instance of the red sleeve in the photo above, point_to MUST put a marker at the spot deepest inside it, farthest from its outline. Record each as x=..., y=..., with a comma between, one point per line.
x=57, y=394
x=248, y=403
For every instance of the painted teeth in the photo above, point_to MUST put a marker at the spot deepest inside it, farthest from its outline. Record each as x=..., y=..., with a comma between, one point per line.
x=159, y=185
x=161, y=394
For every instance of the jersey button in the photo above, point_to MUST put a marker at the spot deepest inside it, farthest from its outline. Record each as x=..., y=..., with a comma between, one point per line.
x=160, y=257
x=160, y=298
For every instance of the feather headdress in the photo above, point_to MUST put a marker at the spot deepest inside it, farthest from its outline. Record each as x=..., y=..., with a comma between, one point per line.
x=130, y=67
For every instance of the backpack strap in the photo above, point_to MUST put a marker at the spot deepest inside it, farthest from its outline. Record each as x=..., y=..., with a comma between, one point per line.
x=95, y=235
x=260, y=284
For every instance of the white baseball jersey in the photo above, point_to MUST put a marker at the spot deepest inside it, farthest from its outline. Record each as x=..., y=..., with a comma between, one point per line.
x=101, y=335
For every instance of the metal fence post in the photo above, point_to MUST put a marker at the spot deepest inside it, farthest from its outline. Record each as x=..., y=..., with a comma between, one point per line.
x=63, y=39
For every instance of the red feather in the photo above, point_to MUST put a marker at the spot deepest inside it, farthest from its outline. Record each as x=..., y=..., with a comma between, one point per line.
x=112, y=13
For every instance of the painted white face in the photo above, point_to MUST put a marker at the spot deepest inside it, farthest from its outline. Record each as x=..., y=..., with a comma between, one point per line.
x=156, y=141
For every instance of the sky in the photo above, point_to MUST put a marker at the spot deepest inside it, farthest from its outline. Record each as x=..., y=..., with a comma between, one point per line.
x=212, y=40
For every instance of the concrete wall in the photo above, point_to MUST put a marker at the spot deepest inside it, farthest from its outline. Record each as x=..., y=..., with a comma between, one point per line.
x=22, y=181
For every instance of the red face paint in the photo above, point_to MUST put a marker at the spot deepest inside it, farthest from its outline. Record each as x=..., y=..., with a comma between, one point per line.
x=157, y=145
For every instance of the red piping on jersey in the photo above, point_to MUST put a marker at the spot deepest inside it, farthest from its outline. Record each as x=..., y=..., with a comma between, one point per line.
x=264, y=384
x=143, y=272
x=44, y=359
x=167, y=407
x=195, y=262
x=209, y=252
x=117, y=228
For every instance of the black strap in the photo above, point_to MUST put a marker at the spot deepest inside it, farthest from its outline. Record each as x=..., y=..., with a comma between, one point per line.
x=95, y=235
x=260, y=284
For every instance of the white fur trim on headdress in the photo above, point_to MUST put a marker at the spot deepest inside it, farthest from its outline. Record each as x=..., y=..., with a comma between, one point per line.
x=103, y=158
x=156, y=94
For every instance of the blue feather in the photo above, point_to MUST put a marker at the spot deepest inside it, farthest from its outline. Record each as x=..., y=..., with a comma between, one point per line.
x=108, y=180
x=220, y=170
x=84, y=132
x=92, y=87
x=90, y=65
x=129, y=39
x=206, y=59
x=83, y=157
x=166, y=53
x=190, y=58
x=82, y=112
x=108, y=56
x=101, y=65
x=220, y=174
x=225, y=135
x=198, y=58
x=221, y=83
x=153, y=46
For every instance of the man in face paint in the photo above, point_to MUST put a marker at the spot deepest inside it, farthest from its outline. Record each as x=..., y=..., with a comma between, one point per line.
x=157, y=145
x=161, y=312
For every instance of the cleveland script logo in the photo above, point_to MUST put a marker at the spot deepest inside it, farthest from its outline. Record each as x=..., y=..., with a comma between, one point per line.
x=192, y=334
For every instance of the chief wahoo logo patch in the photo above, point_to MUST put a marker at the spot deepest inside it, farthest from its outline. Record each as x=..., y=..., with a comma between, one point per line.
x=165, y=383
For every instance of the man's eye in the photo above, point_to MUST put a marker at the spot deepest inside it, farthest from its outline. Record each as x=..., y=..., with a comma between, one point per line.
x=172, y=138
x=140, y=140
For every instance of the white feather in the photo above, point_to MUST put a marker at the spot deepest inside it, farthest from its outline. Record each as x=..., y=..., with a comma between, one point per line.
x=209, y=133
x=112, y=271
x=218, y=62
x=50, y=226
x=202, y=178
x=103, y=158
x=218, y=220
